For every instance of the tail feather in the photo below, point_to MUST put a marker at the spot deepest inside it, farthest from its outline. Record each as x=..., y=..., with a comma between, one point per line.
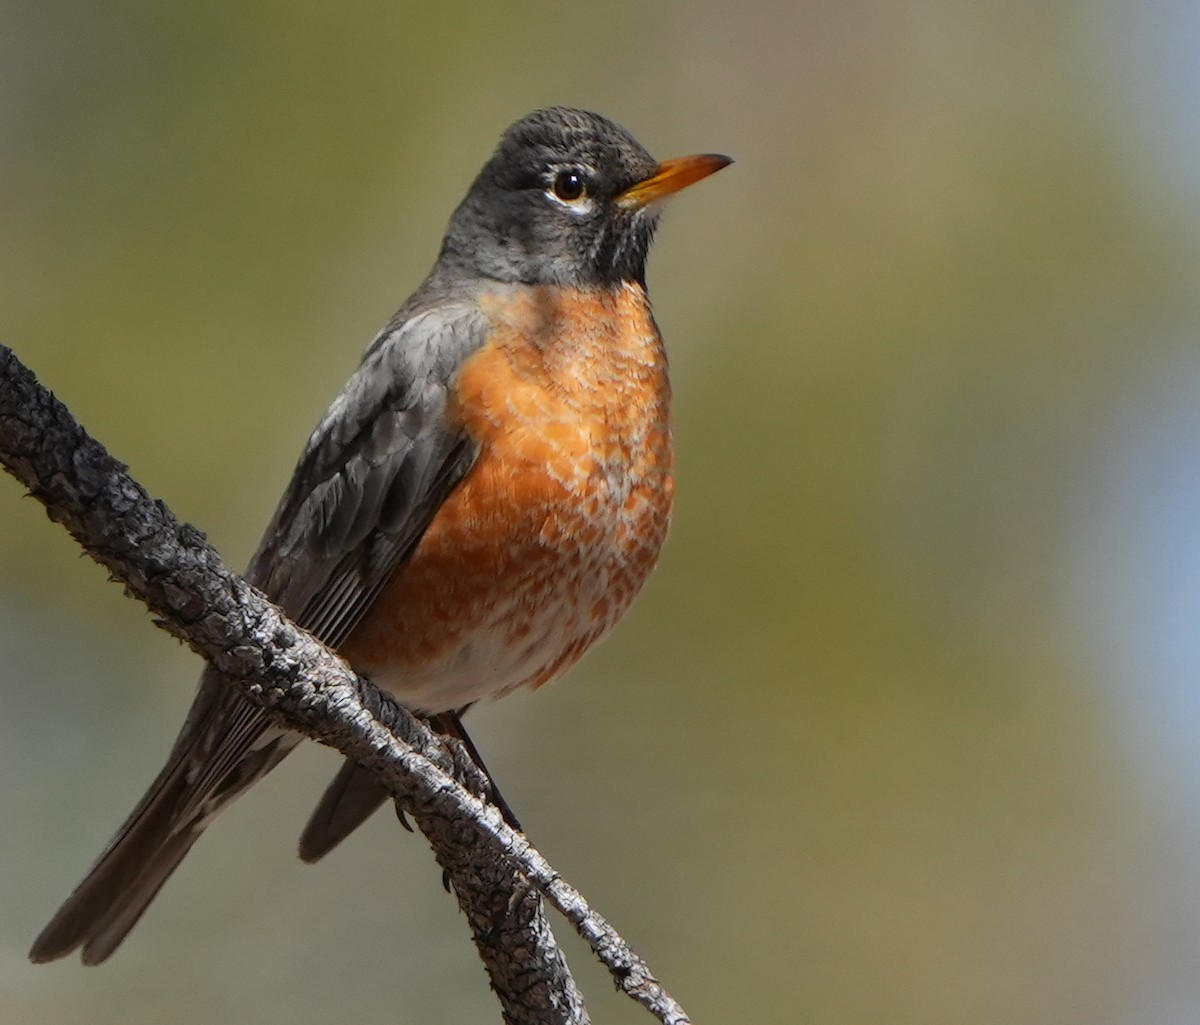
x=351, y=799
x=355, y=794
x=225, y=746
x=105, y=906
x=108, y=932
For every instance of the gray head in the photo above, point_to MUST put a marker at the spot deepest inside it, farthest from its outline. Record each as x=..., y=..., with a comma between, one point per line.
x=568, y=198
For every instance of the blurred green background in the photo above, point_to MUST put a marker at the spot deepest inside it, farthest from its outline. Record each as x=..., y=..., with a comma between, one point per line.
x=904, y=729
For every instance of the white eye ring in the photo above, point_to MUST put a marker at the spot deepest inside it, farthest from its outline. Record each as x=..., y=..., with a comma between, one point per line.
x=571, y=187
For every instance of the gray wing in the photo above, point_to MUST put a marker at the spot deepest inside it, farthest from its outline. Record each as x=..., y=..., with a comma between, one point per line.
x=374, y=473
x=379, y=465
x=383, y=459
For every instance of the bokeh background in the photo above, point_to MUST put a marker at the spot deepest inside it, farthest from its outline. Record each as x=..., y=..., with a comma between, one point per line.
x=904, y=730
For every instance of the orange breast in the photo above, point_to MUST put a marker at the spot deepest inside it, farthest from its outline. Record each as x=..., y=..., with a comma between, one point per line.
x=549, y=538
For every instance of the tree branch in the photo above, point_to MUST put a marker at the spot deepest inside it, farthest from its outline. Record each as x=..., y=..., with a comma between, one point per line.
x=495, y=872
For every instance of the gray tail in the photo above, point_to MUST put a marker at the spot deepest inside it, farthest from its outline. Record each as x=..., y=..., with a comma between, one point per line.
x=347, y=803
x=225, y=747
x=354, y=795
x=121, y=885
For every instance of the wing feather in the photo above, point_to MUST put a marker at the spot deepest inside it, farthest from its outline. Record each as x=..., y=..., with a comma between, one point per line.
x=374, y=473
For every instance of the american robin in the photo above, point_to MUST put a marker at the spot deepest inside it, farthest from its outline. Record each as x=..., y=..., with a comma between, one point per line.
x=478, y=506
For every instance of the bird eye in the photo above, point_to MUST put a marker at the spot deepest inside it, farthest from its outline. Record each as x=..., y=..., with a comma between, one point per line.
x=569, y=185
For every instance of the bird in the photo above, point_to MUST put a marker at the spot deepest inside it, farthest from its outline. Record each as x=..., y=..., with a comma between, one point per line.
x=477, y=507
